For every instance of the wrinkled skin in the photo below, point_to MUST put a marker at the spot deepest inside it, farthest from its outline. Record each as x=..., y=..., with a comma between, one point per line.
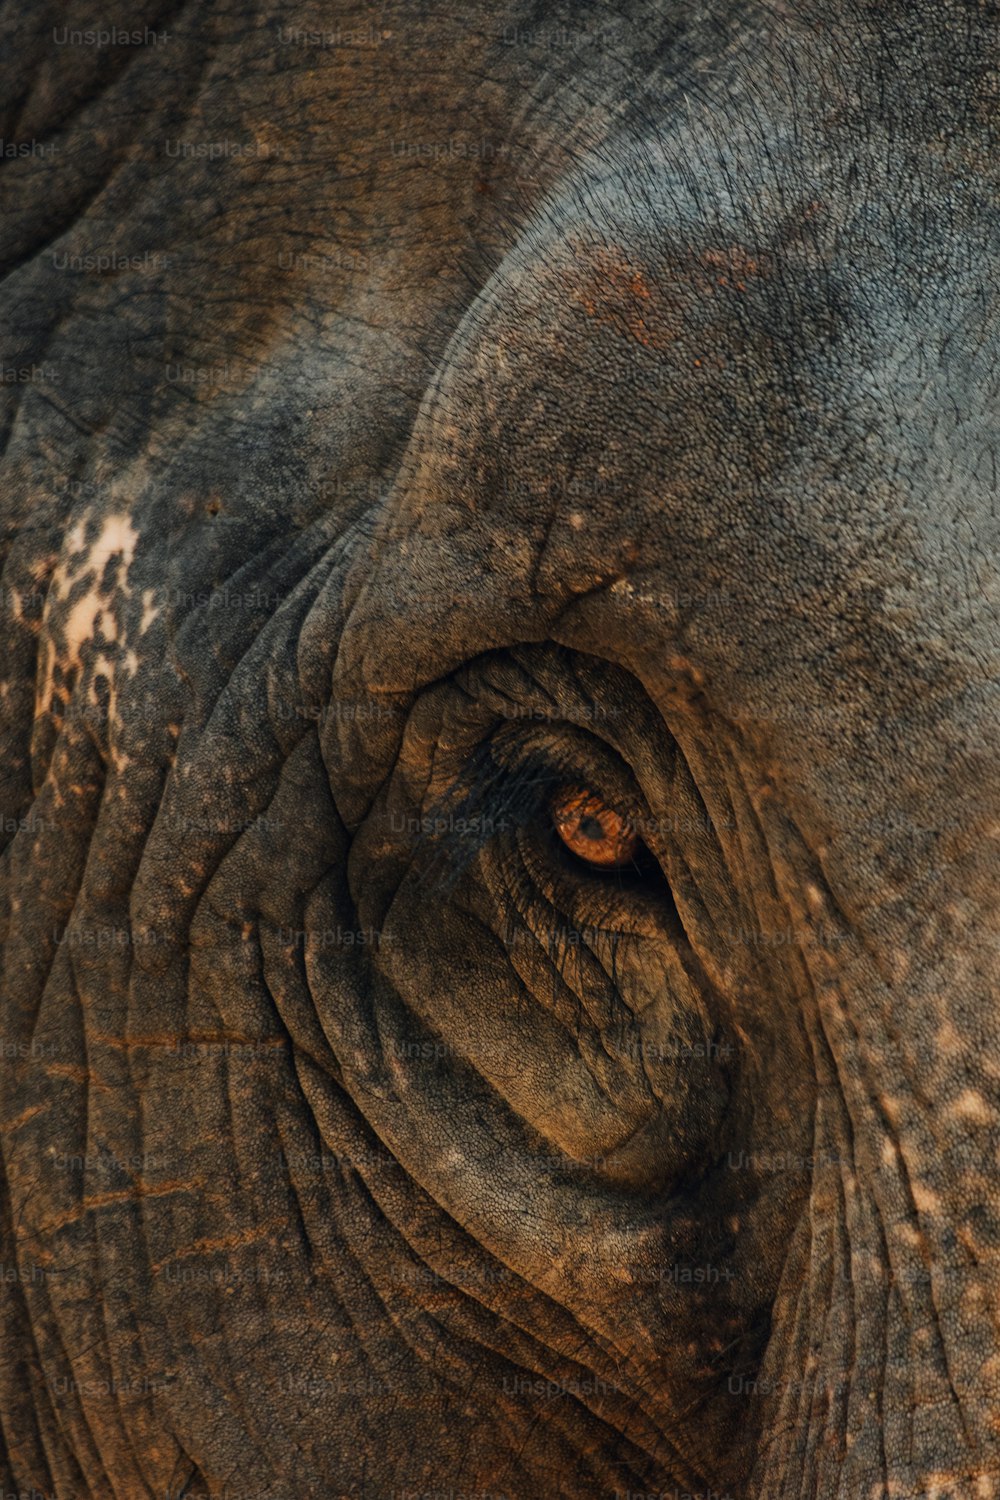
x=356, y=1143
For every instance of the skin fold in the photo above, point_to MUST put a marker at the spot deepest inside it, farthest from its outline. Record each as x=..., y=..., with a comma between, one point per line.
x=418, y=423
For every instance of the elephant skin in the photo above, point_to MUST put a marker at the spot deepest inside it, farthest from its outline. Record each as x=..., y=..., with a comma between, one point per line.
x=413, y=415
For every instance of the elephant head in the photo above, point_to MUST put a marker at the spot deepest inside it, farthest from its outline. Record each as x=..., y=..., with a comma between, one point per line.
x=500, y=799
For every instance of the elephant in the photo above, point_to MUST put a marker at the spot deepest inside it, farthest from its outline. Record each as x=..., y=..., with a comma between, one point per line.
x=500, y=660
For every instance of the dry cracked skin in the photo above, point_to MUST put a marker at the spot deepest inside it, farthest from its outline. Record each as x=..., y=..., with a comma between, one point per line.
x=498, y=744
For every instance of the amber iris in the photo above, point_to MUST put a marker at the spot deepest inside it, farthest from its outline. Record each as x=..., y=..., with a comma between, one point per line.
x=592, y=830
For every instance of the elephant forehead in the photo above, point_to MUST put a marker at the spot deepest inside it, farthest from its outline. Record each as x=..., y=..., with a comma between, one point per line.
x=757, y=457
x=539, y=475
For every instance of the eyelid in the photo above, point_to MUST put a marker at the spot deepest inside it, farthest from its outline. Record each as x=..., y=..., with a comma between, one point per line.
x=509, y=783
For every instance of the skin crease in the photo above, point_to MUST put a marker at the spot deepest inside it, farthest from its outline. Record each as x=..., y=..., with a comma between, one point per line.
x=472, y=405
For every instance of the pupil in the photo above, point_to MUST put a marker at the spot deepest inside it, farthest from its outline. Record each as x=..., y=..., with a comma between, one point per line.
x=591, y=828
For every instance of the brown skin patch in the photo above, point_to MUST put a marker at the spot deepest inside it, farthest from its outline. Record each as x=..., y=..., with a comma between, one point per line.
x=734, y=266
x=618, y=295
x=174, y=1040
x=115, y=1197
x=238, y=1241
x=24, y=1116
x=76, y=1074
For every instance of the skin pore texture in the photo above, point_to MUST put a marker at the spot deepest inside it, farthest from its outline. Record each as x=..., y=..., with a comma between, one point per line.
x=439, y=421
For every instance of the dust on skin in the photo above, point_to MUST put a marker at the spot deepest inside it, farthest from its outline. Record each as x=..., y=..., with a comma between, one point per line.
x=617, y=291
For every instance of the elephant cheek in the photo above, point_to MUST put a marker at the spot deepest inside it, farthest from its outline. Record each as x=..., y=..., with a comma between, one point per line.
x=881, y=1376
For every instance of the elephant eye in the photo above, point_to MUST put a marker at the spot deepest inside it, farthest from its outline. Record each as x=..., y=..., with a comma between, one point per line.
x=596, y=833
